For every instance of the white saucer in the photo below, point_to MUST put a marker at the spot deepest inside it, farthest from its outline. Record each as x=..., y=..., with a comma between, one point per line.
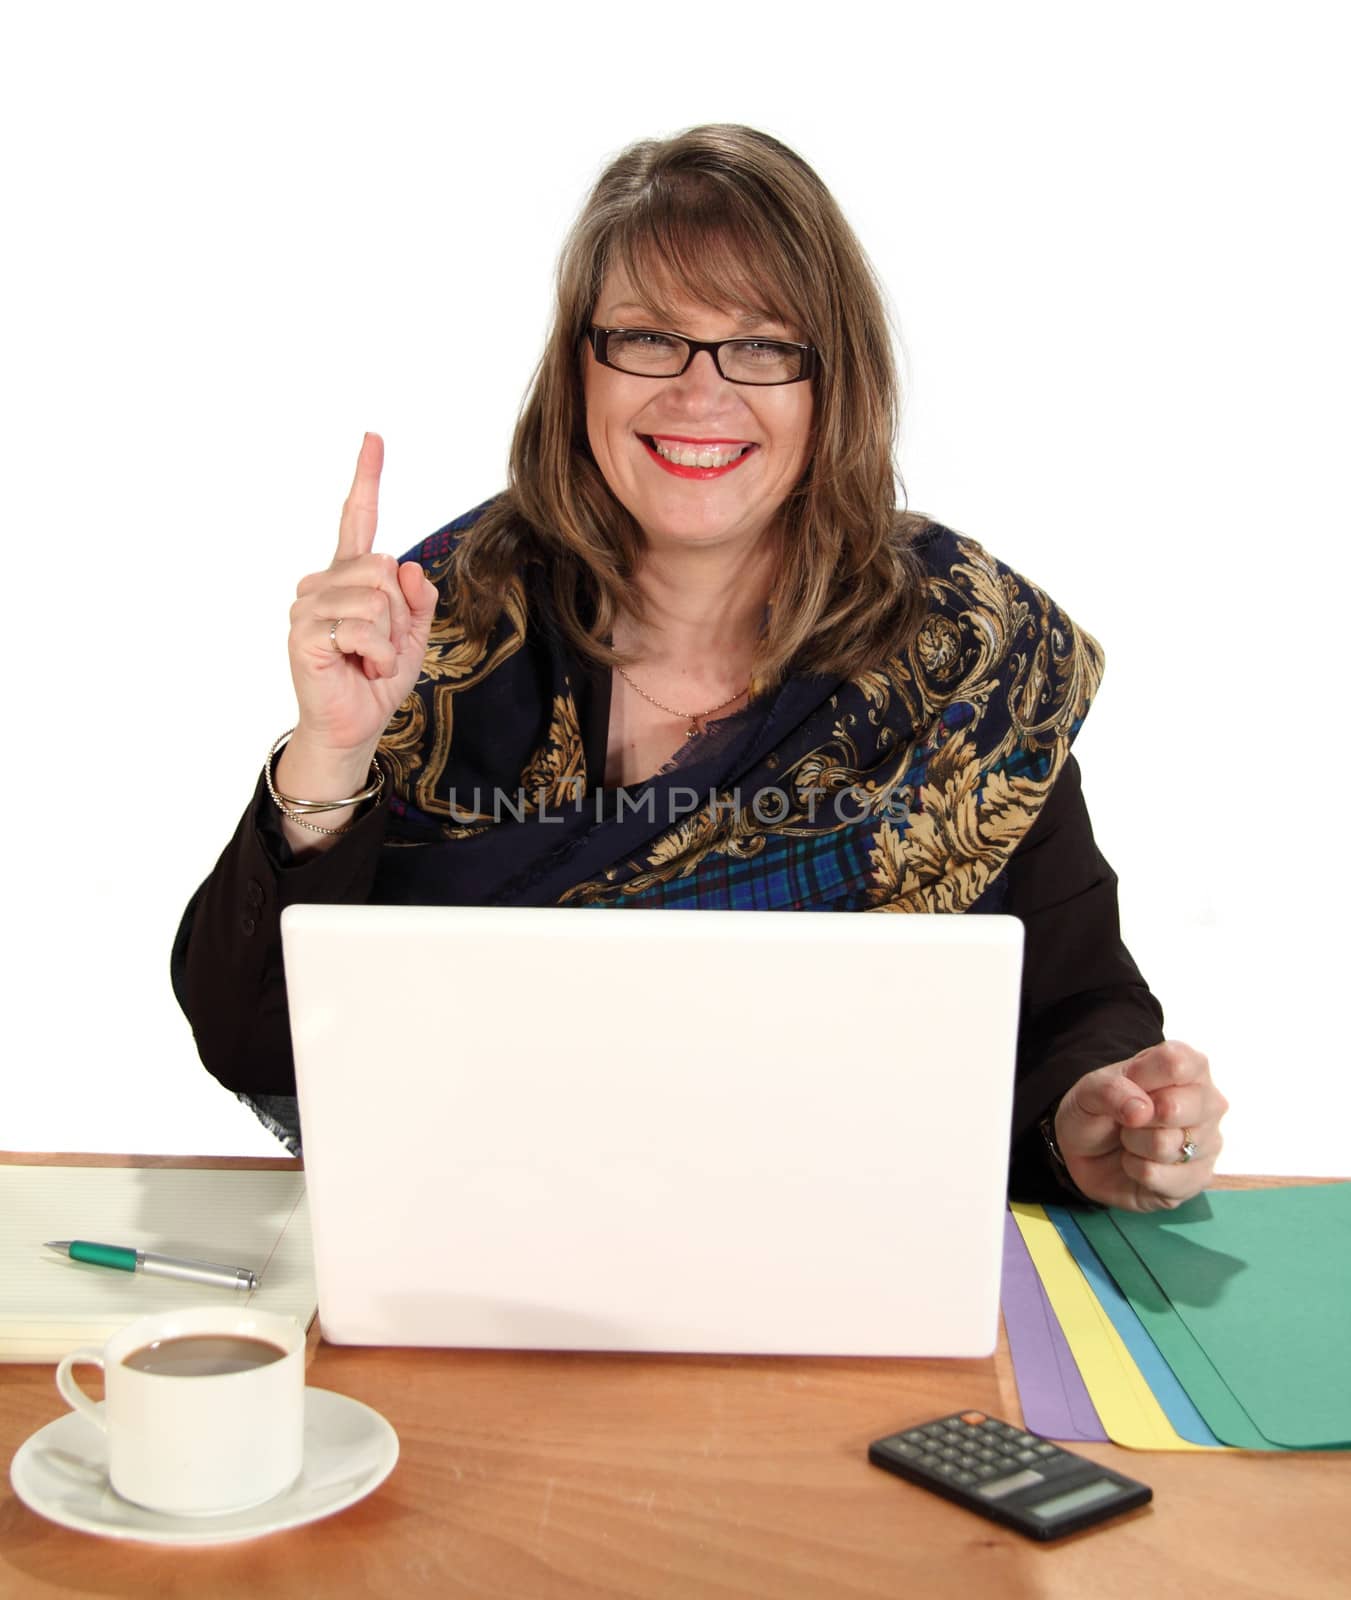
x=62, y=1473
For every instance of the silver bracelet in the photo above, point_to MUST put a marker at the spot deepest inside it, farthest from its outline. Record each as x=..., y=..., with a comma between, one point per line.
x=298, y=810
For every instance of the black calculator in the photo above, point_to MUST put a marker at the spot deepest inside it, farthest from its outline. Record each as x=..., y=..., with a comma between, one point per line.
x=1007, y=1474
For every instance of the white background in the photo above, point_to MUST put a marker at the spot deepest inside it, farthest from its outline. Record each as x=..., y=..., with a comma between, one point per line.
x=1114, y=241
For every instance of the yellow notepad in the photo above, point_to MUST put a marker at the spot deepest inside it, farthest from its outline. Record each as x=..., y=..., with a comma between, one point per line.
x=238, y=1217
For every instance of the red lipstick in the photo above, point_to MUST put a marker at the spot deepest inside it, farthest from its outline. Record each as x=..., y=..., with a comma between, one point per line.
x=695, y=472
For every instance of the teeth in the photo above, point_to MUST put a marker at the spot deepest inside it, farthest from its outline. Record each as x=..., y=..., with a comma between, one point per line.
x=691, y=455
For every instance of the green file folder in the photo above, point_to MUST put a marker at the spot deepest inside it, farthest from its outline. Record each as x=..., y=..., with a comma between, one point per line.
x=1261, y=1279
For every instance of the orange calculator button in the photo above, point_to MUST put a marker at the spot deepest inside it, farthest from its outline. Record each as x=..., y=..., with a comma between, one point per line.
x=975, y=1418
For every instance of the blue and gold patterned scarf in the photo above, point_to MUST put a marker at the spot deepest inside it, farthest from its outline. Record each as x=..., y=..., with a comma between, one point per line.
x=903, y=789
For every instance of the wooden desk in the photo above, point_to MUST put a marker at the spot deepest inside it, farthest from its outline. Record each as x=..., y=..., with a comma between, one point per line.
x=558, y=1477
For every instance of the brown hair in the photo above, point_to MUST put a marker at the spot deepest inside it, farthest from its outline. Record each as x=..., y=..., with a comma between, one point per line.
x=734, y=219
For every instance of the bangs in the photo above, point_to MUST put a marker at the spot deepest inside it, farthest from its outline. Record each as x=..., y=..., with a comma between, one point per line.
x=691, y=246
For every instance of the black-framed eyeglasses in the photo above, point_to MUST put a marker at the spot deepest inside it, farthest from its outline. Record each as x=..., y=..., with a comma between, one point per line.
x=652, y=353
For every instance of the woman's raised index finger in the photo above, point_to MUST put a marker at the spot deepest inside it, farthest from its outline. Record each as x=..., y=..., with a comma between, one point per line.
x=356, y=530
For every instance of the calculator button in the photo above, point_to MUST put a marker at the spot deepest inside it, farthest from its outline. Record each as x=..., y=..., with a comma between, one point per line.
x=1025, y=1455
x=974, y=1418
x=1045, y=1449
x=901, y=1448
x=914, y=1435
x=964, y=1477
x=986, y=1471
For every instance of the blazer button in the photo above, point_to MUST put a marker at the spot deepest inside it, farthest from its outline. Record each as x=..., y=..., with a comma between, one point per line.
x=249, y=926
x=254, y=893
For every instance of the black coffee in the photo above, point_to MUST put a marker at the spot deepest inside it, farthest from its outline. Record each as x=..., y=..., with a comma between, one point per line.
x=203, y=1355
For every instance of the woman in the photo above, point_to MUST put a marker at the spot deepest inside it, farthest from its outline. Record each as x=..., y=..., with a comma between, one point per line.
x=695, y=656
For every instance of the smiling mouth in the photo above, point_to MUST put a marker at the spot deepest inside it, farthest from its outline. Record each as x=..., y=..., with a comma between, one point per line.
x=697, y=458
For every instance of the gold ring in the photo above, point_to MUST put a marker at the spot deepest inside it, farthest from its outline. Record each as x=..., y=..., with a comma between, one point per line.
x=333, y=634
x=1189, y=1149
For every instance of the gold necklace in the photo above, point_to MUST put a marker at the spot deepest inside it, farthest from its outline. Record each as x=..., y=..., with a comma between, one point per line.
x=692, y=717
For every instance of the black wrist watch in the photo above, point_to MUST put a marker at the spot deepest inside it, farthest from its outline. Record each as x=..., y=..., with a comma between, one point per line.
x=1059, y=1166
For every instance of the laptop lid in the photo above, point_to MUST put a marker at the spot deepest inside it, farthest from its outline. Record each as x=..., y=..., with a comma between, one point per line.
x=655, y=1130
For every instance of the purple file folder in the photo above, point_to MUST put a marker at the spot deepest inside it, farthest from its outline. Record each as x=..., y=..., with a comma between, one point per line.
x=1054, y=1400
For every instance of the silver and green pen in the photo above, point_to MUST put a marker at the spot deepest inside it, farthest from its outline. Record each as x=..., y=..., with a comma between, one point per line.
x=126, y=1260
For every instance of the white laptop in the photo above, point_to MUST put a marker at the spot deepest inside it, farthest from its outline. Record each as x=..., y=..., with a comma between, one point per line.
x=651, y=1130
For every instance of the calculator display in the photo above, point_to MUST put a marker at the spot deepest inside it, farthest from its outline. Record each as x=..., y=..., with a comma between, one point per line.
x=1089, y=1495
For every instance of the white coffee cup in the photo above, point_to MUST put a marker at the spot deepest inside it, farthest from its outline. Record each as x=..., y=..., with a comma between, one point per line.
x=198, y=1445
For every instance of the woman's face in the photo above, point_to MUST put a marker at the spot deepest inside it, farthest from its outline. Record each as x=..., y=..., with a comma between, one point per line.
x=631, y=421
